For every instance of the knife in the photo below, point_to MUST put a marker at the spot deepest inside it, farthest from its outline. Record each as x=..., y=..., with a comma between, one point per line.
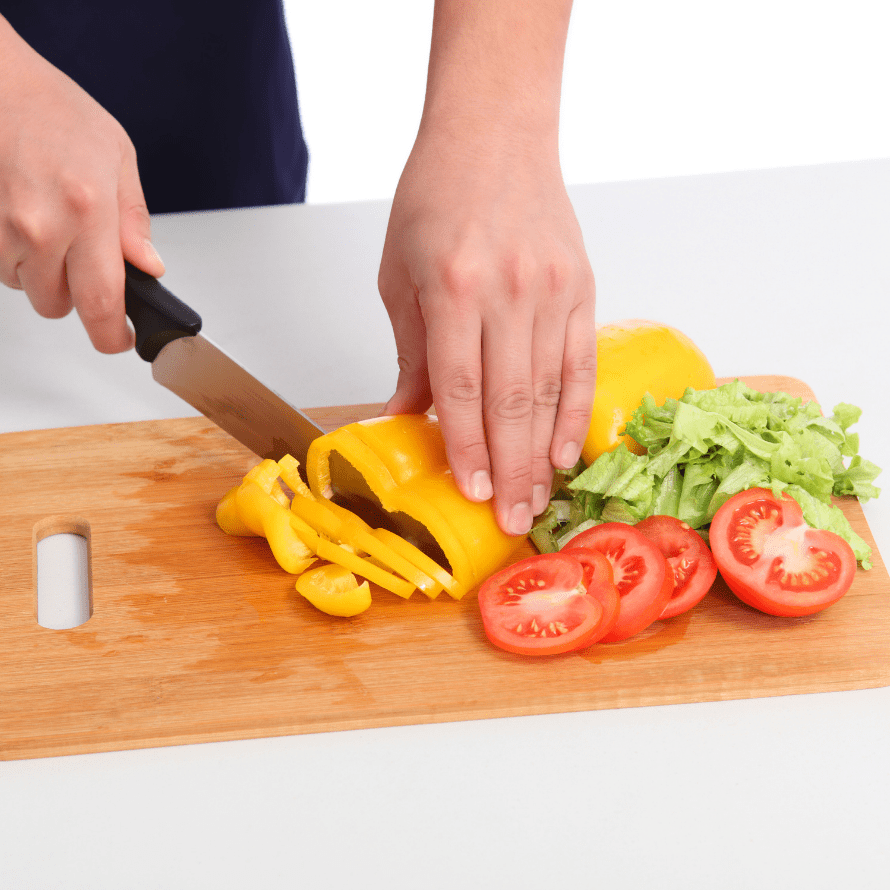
x=198, y=371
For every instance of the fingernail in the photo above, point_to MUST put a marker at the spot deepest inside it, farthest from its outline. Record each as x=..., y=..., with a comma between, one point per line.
x=569, y=455
x=480, y=485
x=151, y=252
x=520, y=519
x=540, y=499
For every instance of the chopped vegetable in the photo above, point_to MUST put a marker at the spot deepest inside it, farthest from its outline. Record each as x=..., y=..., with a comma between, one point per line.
x=706, y=447
x=334, y=590
x=641, y=574
x=542, y=605
x=400, y=463
x=772, y=560
x=688, y=557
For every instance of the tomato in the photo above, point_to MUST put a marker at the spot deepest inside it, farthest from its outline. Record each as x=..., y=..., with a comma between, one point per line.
x=772, y=560
x=689, y=558
x=541, y=606
x=641, y=574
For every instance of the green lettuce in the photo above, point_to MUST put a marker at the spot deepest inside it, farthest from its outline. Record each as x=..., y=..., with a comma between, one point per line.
x=706, y=447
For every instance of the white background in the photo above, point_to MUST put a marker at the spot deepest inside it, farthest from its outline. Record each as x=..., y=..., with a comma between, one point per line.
x=651, y=88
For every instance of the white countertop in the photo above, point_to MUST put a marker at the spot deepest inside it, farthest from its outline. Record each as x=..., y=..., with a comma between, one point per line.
x=778, y=271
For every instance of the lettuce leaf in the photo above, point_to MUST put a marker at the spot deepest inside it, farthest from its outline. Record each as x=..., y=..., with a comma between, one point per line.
x=706, y=447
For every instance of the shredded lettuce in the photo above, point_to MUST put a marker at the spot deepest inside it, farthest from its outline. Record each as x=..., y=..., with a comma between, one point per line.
x=706, y=447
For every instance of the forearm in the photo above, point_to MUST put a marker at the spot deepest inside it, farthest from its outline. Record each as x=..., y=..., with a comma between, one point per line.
x=496, y=68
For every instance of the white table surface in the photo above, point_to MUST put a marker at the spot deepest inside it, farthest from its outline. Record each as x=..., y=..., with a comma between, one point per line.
x=779, y=271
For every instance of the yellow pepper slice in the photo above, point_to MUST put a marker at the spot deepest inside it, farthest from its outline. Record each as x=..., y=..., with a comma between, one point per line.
x=227, y=516
x=263, y=514
x=334, y=590
x=288, y=470
x=418, y=558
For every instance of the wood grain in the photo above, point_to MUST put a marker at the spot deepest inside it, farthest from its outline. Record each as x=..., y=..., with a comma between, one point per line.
x=196, y=636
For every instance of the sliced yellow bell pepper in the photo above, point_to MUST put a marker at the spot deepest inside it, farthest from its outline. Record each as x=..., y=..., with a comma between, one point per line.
x=353, y=533
x=334, y=590
x=402, y=462
x=256, y=507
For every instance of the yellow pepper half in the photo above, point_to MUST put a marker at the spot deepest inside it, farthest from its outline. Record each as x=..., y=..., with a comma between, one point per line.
x=633, y=358
x=401, y=462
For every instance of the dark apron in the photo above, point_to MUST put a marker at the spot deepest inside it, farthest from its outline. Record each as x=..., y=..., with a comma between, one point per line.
x=206, y=91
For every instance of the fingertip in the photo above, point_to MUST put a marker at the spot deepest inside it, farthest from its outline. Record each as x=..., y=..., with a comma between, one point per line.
x=540, y=498
x=153, y=260
x=567, y=455
x=111, y=345
x=516, y=520
x=478, y=487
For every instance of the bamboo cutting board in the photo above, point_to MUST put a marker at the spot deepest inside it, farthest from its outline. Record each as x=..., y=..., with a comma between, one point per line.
x=196, y=636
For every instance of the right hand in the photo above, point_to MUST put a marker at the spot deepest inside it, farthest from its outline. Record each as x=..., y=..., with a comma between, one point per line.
x=71, y=203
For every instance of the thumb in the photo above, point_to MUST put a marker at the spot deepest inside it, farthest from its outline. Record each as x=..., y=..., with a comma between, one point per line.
x=135, y=223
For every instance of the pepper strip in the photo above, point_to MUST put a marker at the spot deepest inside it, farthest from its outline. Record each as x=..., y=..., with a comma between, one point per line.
x=417, y=557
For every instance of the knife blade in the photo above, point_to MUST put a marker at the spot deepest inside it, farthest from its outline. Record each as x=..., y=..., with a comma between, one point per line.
x=197, y=370
x=200, y=372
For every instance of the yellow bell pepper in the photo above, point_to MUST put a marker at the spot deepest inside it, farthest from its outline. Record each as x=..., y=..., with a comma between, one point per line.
x=401, y=462
x=633, y=358
x=334, y=590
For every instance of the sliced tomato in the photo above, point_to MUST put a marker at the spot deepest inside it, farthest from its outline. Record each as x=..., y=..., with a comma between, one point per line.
x=599, y=580
x=641, y=574
x=541, y=606
x=691, y=562
x=772, y=560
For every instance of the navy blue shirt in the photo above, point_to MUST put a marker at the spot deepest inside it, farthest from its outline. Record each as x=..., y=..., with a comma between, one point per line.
x=206, y=91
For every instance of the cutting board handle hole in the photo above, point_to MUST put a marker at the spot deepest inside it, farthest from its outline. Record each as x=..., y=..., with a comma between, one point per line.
x=63, y=575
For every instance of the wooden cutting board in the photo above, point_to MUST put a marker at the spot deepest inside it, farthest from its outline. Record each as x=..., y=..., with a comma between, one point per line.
x=196, y=636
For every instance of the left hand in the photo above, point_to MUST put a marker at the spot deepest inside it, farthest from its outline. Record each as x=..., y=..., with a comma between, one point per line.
x=491, y=297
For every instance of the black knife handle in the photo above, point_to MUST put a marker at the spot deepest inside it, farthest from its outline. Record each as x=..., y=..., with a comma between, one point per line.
x=158, y=317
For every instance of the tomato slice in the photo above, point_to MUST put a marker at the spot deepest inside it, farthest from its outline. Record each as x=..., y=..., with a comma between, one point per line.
x=541, y=606
x=641, y=574
x=691, y=562
x=772, y=560
x=599, y=580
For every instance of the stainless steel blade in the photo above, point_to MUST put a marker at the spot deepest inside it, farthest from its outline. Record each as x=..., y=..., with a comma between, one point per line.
x=197, y=370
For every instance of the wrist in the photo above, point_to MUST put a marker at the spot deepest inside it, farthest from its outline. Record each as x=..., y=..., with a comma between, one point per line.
x=495, y=71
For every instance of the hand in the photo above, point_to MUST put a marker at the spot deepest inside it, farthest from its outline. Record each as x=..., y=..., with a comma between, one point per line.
x=71, y=204
x=491, y=297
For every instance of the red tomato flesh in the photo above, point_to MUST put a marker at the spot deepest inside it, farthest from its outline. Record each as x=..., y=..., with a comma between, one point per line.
x=541, y=606
x=772, y=560
x=599, y=580
x=641, y=574
x=691, y=562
